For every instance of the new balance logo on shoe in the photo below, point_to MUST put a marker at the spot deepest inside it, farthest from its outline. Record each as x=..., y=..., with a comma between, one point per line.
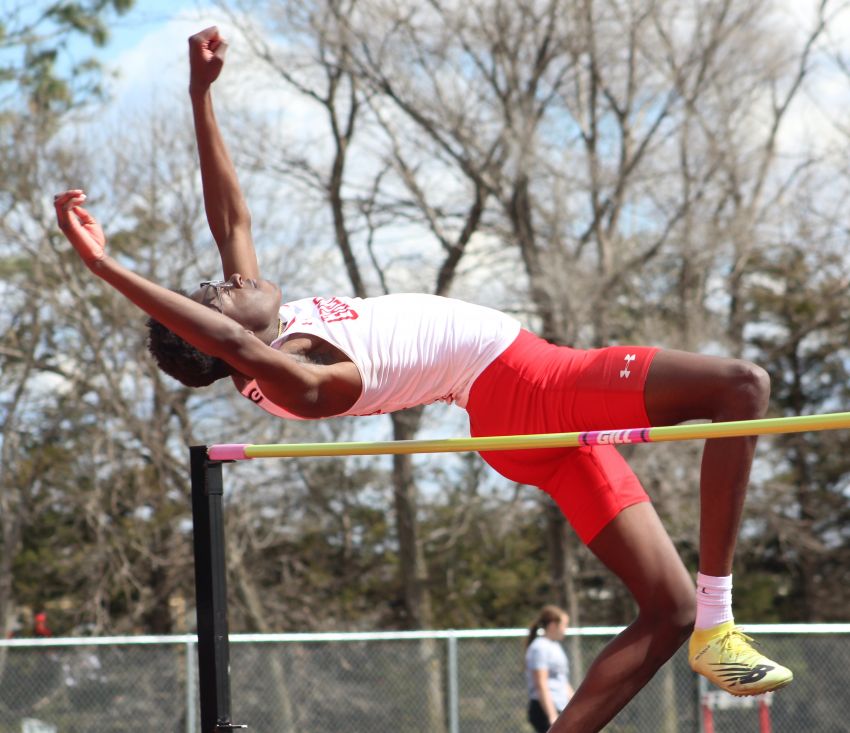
x=740, y=674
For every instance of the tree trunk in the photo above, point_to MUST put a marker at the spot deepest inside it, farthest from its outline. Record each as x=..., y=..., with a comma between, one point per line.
x=414, y=572
x=563, y=569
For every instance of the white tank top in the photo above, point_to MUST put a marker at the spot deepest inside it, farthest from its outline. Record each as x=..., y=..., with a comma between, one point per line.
x=410, y=349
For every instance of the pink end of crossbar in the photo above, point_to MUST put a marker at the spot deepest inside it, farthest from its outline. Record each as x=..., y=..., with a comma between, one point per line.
x=227, y=452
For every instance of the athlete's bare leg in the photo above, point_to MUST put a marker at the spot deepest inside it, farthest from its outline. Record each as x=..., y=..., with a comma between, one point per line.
x=636, y=547
x=681, y=386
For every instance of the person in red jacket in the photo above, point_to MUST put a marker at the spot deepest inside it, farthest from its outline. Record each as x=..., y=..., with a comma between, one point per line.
x=40, y=627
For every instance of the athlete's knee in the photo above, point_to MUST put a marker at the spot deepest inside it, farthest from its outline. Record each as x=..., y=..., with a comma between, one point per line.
x=671, y=635
x=669, y=626
x=679, y=614
x=682, y=617
x=671, y=613
x=745, y=393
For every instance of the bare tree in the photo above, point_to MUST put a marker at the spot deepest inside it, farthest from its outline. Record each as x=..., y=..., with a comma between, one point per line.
x=310, y=50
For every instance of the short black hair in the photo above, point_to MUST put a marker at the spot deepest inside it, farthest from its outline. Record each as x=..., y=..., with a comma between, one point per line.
x=179, y=359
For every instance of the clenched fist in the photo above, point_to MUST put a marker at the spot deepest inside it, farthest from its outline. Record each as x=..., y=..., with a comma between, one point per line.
x=206, y=58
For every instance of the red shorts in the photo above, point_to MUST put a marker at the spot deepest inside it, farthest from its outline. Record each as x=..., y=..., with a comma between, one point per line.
x=537, y=387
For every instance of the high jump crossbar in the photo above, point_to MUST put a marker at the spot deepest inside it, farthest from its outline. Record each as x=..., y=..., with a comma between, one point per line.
x=697, y=431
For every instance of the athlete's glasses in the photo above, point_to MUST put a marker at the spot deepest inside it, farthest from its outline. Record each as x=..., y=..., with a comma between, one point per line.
x=217, y=286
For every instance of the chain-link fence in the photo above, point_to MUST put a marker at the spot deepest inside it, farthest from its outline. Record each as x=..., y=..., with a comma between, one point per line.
x=445, y=682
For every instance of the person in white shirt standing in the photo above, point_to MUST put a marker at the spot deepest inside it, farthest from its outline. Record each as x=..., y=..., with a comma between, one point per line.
x=547, y=668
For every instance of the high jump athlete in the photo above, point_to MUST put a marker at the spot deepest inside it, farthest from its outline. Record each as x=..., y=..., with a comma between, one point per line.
x=327, y=356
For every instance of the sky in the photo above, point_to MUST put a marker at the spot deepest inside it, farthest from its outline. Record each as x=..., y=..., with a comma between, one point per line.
x=149, y=16
x=148, y=56
x=148, y=45
x=148, y=50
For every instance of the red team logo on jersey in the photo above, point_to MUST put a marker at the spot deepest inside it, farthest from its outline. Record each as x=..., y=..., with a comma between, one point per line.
x=333, y=309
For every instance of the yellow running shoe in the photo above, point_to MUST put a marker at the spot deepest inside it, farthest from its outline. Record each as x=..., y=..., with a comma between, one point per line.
x=723, y=655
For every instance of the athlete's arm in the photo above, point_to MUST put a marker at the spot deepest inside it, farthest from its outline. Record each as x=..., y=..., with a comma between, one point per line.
x=227, y=212
x=305, y=389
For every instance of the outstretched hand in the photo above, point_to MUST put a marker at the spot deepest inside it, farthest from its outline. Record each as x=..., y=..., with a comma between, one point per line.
x=81, y=228
x=206, y=57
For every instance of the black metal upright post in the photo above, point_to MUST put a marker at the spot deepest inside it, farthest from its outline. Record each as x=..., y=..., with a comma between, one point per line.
x=210, y=592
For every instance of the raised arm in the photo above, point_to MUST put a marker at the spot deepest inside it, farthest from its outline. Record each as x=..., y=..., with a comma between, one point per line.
x=227, y=212
x=303, y=388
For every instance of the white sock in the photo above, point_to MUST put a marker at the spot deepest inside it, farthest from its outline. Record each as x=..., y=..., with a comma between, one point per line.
x=714, y=600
